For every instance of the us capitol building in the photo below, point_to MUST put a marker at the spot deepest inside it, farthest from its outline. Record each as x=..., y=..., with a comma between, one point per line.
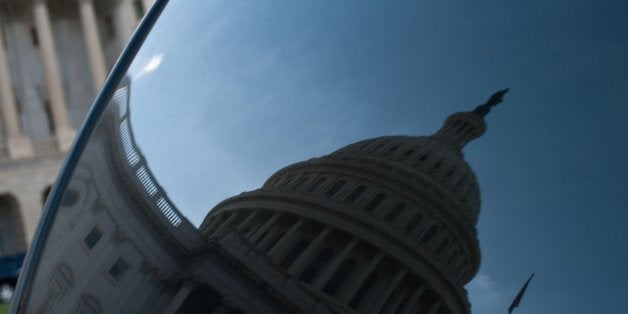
x=54, y=55
x=384, y=225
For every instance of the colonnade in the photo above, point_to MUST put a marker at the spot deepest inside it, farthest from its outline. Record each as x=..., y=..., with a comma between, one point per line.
x=414, y=220
x=278, y=234
x=17, y=143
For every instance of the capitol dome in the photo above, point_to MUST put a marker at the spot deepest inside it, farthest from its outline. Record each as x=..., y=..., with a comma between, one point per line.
x=385, y=224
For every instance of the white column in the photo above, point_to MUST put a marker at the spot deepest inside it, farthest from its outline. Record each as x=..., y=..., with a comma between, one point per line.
x=92, y=41
x=335, y=264
x=357, y=281
x=63, y=131
x=264, y=227
x=381, y=301
x=221, y=229
x=18, y=145
x=306, y=257
x=282, y=244
x=247, y=222
x=125, y=22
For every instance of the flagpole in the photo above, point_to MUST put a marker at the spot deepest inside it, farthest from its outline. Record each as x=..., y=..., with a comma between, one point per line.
x=517, y=299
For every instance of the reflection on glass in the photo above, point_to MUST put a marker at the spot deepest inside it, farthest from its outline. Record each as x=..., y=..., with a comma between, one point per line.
x=391, y=217
x=269, y=161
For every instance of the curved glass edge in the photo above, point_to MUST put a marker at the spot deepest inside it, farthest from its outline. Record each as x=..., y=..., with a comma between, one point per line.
x=101, y=101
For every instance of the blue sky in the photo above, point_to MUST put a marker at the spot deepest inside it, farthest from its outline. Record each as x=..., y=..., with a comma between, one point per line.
x=248, y=88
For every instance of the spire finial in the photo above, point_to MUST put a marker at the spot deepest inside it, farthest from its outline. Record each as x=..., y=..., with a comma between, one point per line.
x=495, y=99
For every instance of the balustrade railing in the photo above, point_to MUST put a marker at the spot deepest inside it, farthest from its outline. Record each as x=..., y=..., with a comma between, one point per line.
x=137, y=162
x=44, y=146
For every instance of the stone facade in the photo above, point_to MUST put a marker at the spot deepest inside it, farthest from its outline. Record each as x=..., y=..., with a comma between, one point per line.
x=53, y=58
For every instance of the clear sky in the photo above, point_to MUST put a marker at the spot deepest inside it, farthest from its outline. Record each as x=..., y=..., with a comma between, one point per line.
x=244, y=89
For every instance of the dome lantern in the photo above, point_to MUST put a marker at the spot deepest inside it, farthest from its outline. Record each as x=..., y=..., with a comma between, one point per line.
x=462, y=127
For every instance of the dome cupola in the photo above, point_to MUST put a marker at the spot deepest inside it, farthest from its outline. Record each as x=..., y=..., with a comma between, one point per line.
x=438, y=157
x=462, y=127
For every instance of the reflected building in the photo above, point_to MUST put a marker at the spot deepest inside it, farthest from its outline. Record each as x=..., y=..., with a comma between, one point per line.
x=53, y=57
x=385, y=225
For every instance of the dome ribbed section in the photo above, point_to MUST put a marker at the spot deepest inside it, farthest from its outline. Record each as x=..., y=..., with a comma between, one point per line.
x=431, y=157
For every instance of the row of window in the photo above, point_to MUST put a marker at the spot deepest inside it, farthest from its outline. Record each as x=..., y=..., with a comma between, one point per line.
x=462, y=186
x=119, y=267
x=409, y=225
x=421, y=160
x=408, y=153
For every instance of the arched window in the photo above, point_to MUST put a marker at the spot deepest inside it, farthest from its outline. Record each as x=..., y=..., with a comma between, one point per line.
x=429, y=234
x=340, y=276
x=294, y=253
x=443, y=244
x=451, y=171
x=438, y=164
x=355, y=194
x=395, y=211
x=12, y=238
x=317, y=264
x=335, y=188
x=378, y=199
x=316, y=185
x=424, y=157
x=364, y=289
x=416, y=219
